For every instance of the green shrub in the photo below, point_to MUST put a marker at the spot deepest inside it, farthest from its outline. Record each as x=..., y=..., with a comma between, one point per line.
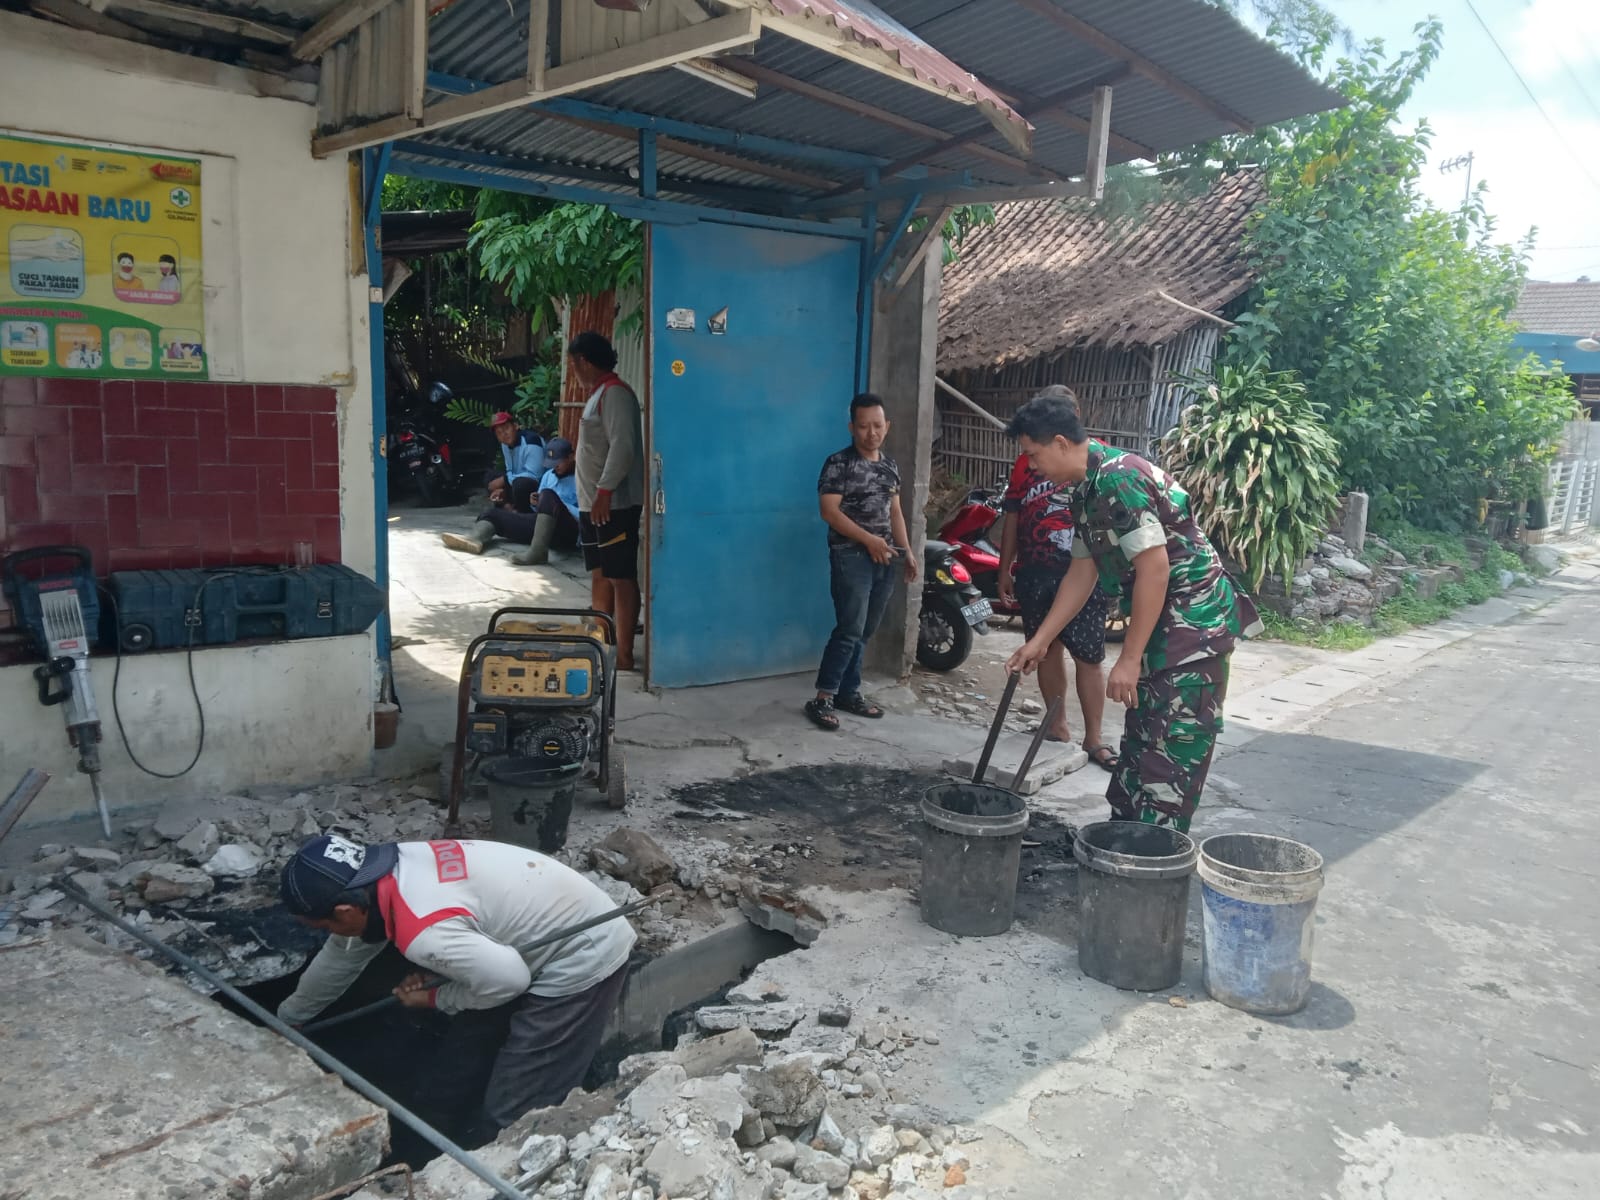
x=1261, y=470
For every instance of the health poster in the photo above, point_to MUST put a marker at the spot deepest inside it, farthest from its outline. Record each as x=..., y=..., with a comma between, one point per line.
x=99, y=262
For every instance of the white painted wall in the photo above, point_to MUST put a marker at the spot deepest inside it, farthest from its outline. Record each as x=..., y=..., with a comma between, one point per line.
x=286, y=303
x=280, y=713
x=275, y=253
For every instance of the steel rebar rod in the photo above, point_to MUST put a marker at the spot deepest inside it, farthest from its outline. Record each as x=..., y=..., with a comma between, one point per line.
x=1039, y=735
x=994, y=728
x=320, y=1056
x=24, y=794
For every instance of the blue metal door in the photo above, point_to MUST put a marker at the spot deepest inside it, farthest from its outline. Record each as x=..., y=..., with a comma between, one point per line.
x=740, y=422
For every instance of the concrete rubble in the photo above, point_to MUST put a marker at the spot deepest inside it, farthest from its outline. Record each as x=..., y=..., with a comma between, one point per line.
x=196, y=871
x=732, y=1116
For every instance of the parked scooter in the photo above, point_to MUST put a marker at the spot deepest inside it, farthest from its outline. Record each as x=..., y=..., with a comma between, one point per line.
x=952, y=610
x=419, y=451
x=971, y=532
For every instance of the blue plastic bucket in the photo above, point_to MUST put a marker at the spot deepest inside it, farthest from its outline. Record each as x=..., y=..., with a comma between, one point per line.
x=1259, y=897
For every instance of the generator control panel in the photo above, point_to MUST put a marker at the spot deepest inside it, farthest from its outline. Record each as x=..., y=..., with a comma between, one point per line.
x=559, y=675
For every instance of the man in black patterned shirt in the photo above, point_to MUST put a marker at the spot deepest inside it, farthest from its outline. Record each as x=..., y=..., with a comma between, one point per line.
x=859, y=496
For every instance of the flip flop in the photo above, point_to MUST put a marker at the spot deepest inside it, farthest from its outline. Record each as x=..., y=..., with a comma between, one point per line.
x=1103, y=757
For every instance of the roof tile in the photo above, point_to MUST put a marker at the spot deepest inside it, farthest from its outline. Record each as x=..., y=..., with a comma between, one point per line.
x=1049, y=275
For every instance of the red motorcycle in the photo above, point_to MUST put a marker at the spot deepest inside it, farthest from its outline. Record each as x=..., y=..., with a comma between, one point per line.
x=973, y=532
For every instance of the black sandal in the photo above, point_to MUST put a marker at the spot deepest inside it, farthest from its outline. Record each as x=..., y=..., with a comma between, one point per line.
x=821, y=714
x=858, y=705
x=1103, y=757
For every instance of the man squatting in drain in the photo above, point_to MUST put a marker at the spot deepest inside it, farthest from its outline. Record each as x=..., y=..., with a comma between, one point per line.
x=464, y=911
x=1137, y=537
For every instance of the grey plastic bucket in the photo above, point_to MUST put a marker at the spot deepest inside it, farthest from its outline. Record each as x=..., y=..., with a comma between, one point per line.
x=1259, y=899
x=530, y=804
x=971, y=855
x=1133, y=903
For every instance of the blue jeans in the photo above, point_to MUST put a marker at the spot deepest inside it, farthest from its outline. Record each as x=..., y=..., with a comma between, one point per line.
x=861, y=591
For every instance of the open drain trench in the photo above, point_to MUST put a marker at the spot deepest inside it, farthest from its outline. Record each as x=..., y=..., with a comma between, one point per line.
x=860, y=827
x=405, y=1053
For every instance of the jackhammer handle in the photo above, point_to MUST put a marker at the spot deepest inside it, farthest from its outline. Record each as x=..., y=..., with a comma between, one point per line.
x=59, y=669
x=10, y=563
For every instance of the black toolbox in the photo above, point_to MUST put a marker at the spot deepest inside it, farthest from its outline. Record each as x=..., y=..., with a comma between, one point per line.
x=161, y=610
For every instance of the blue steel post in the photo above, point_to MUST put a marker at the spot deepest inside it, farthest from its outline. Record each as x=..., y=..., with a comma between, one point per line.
x=375, y=165
x=647, y=164
x=864, y=294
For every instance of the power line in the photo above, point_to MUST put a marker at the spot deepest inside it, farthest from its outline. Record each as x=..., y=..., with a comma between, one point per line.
x=1527, y=91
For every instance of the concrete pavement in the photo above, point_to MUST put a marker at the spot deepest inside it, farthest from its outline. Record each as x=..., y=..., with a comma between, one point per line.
x=1449, y=1050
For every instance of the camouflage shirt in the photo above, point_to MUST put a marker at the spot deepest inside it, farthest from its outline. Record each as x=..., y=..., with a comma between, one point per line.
x=1126, y=506
x=866, y=489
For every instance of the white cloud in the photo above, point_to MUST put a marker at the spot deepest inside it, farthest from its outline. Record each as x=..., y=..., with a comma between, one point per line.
x=1531, y=178
x=1551, y=37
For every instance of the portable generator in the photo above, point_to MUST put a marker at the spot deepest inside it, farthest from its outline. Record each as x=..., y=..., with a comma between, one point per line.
x=60, y=613
x=539, y=687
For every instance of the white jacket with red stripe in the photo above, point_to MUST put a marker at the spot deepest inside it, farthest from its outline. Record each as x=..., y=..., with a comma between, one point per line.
x=467, y=911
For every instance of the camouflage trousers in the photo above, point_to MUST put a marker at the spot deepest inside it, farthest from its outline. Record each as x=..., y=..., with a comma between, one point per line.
x=1167, y=742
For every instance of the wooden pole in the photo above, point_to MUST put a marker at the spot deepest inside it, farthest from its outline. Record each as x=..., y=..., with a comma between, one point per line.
x=972, y=404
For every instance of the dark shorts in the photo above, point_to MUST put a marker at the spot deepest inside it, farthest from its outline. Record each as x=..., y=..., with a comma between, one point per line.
x=612, y=548
x=1085, y=635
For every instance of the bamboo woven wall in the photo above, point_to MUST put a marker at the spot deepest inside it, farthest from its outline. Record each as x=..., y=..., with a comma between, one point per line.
x=1127, y=398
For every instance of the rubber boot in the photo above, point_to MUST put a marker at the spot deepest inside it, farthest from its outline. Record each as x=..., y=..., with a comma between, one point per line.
x=482, y=535
x=538, y=551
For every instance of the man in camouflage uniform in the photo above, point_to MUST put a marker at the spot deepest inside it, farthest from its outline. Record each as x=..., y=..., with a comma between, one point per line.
x=1137, y=537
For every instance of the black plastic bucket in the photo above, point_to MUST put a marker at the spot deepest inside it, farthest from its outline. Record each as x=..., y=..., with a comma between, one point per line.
x=1133, y=903
x=971, y=854
x=530, y=803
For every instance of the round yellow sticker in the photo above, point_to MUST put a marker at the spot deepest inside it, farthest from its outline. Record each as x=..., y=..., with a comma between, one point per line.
x=677, y=366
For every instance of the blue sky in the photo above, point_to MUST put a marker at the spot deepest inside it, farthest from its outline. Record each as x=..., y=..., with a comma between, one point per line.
x=1534, y=167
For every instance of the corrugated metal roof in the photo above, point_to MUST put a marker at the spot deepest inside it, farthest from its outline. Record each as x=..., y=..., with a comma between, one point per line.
x=870, y=25
x=1017, y=51
x=1565, y=309
x=1004, y=51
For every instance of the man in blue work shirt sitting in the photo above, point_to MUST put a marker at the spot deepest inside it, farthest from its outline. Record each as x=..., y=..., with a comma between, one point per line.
x=556, y=512
x=523, y=452
x=553, y=523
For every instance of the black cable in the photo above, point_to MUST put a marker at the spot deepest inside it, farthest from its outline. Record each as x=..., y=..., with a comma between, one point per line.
x=194, y=690
x=116, y=680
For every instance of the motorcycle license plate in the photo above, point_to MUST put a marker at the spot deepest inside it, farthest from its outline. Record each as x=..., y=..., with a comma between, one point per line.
x=977, y=612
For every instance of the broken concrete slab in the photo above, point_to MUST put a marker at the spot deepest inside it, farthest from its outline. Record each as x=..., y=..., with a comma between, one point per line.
x=123, y=1084
x=164, y=882
x=634, y=857
x=719, y=1054
x=774, y=1019
x=1055, y=761
x=772, y=908
x=791, y=1094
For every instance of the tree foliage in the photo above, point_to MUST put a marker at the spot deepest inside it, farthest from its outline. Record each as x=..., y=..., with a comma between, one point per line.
x=1393, y=312
x=1261, y=470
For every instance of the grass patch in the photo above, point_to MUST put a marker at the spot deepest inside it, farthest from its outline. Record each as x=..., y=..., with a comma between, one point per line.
x=1337, y=636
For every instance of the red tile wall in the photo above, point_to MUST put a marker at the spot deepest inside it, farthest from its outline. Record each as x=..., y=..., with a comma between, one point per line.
x=164, y=474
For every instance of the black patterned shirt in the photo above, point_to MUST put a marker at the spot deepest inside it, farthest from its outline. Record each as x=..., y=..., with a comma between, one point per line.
x=865, y=488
